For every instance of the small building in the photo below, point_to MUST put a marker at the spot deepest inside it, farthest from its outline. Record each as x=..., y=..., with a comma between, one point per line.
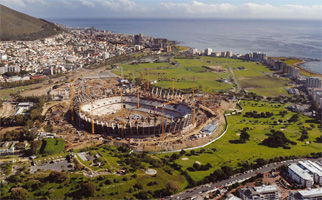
x=209, y=129
x=25, y=105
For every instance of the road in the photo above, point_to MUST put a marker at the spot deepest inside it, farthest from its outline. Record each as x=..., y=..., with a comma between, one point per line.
x=235, y=79
x=211, y=186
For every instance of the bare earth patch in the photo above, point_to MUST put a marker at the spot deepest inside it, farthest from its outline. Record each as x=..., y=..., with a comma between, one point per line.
x=185, y=159
x=198, y=162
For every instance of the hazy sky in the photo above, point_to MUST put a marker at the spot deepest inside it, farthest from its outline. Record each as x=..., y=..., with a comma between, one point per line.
x=254, y=9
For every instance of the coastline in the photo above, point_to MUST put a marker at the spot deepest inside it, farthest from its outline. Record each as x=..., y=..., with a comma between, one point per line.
x=304, y=71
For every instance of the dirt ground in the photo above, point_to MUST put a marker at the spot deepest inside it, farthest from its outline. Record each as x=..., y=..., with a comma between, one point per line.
x=7, y=110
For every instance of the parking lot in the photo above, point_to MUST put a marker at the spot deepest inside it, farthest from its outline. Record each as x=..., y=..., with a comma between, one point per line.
x=54, y=165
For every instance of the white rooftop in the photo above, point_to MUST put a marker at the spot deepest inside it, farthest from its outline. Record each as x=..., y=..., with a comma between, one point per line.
x=300, y=172
x=311, y=192
x=266, y=188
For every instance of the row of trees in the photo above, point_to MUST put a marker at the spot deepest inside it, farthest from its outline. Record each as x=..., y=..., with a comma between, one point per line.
x=255, y=114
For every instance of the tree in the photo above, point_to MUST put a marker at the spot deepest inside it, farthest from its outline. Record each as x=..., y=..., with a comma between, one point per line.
x=57, y=177
x=182, y=152
x=19, y=193
x=88, y=189
x=173, y=187
x=196, y=166
x=244, y=136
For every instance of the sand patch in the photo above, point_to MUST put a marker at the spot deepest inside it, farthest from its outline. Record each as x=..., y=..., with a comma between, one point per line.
x=184, y=158
x=198, y=162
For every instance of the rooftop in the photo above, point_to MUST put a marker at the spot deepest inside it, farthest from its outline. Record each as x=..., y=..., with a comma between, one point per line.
x=300, y=172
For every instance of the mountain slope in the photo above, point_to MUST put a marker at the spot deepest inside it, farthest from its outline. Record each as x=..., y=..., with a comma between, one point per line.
x=18, y=26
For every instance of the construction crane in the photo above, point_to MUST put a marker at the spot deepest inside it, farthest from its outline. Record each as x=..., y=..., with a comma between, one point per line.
x=122, y=115
x=92, y=115
x=194, y=104
x=173, y=88
x=71, y=97
x=138, y=92
x=162, y=122
x=133, y=78
x=148, y=78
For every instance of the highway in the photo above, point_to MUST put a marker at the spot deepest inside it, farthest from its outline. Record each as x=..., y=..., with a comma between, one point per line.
x=191, y=192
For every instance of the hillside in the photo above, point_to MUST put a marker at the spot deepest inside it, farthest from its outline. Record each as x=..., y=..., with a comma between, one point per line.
x=18, y=26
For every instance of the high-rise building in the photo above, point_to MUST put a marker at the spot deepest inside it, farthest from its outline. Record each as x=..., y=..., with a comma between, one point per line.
x=294, y=72
x=313, y=82
x=208, y=51
x=137, y=39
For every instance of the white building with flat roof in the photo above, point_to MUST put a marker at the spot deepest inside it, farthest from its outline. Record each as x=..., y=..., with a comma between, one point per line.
x=262, y=192
x=208, y=52
x=309, y=194
x=300, y=175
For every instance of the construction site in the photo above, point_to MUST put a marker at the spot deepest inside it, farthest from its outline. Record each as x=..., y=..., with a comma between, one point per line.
x=142, y=116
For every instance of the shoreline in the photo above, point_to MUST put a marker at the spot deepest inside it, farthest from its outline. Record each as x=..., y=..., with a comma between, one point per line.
x=304, y=71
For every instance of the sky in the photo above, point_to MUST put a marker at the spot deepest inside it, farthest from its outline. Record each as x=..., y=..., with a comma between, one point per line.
x=235, y=9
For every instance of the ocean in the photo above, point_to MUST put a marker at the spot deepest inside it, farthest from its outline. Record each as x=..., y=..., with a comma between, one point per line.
x=290, y=38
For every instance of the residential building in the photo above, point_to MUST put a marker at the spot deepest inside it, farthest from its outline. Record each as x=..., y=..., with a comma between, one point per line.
x=229, y=54
x=309, y=194
x=300, y=176
x=15, y=69
x=313, y=82
x=208, y=51
x=137, y=39
x=294, y=72
x=262, y=192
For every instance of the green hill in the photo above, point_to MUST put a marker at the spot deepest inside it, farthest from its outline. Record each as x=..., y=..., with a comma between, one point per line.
x=18, y=26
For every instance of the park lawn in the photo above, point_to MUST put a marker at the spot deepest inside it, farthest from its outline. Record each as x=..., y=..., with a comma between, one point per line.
x=181, y=48
x=52, y=146
x=4, y=94
x=291, y=61
x=231, y=154
x=183, y=73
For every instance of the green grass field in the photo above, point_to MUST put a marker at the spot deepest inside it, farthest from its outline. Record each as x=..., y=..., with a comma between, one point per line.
x=52, y=146
x=254, y=78
x=231, y=154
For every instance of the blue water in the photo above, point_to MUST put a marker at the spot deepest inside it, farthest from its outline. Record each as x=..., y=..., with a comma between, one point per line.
x=291, y=38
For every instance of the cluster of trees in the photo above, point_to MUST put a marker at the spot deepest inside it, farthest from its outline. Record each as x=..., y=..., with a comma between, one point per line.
x=27, y=120
x=318, y=139
x=294, y=118
x=19, y=134
x=278, y=139
x=255, y=114
x=57, y=177
x=244, y=136
x=20, y=83
x=199, y=167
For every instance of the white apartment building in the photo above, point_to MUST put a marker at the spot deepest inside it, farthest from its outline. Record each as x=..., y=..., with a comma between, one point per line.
x=313, y=82
x=309, y=194
x=208, y=51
